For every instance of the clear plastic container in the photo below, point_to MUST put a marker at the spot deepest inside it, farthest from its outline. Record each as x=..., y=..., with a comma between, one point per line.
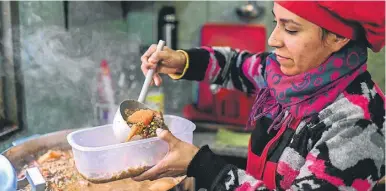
x=99, y=157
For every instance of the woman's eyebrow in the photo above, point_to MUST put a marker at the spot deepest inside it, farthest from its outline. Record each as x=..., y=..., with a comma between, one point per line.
x=287, y=20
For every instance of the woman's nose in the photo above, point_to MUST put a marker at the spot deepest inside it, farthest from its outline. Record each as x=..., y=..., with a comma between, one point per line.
x=275, y=40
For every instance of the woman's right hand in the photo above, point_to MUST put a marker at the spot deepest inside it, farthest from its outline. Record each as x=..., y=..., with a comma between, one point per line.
x=167, y=61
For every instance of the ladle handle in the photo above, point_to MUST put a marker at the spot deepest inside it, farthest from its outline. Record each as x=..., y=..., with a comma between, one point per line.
x=149, y=76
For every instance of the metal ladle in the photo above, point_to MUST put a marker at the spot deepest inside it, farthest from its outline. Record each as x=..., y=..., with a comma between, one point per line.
x=120, y=127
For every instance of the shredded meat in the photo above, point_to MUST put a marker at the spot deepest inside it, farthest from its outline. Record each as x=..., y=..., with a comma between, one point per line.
x=59, y=170
x=57, y=167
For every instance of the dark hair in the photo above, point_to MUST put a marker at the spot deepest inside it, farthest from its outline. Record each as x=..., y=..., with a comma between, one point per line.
x=325, y=32
x=360, y=34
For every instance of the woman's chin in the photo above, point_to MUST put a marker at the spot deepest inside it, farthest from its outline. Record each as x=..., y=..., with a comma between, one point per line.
x=289, y=71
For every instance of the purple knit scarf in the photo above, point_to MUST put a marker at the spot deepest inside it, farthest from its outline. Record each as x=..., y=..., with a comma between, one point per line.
x=308, y=93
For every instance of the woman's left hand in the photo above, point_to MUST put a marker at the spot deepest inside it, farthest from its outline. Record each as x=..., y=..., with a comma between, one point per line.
x=176, y=161
x=166, y=183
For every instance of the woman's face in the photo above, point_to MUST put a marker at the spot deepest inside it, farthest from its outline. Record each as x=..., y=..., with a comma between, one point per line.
x=298, y=43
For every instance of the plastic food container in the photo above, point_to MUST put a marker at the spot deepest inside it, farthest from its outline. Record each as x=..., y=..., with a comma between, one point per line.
x=99, y=157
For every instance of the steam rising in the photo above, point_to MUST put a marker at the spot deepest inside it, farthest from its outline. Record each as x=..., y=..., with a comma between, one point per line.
x=60, y=70
x=60, y=67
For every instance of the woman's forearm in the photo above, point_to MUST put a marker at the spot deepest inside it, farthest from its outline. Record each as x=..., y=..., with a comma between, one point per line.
x=230, y=68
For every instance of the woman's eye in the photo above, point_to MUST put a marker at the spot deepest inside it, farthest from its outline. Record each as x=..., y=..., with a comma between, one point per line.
x=291, y=32
x=288, y=31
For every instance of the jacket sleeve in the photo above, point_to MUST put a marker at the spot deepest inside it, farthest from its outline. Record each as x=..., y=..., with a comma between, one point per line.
x=230, y=68
x=349, y=158
x=346, y=157
x=214, y=174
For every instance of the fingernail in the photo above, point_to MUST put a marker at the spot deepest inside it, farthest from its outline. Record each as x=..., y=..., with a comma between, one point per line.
x=158, y=131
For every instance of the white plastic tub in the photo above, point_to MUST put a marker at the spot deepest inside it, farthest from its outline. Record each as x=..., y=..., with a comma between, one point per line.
x=99, y=157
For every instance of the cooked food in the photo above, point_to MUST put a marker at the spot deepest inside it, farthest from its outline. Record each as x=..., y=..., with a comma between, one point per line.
x=143, y=123
x=58, y=169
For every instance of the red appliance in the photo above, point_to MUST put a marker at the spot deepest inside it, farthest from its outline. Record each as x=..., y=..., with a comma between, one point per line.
x=221, y=105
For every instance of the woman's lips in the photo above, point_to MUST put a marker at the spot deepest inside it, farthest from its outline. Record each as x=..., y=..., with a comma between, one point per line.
x=281, y=58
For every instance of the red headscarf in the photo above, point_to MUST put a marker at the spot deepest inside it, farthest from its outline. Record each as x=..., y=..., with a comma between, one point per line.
x=342, y=18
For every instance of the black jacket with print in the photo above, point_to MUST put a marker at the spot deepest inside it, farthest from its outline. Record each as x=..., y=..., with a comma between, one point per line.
x=338, y=150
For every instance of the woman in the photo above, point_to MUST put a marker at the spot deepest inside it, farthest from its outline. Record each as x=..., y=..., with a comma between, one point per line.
x=318, y=117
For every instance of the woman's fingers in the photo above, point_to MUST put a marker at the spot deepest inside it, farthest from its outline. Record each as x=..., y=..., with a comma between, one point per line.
x=157, y=56
x=168, y=137
x=161, y=61
x=151, y=173
x=157, y=79
x=169, y=173
x=151, y=58
x=146, y=65
x=148, y=52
